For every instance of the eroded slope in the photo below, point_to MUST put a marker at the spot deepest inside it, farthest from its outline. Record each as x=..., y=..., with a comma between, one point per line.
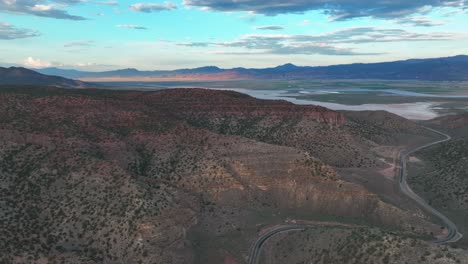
x=134, y=177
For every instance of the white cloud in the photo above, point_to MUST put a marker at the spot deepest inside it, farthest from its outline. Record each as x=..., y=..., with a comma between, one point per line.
x=78, y=43
x=304, y=22
x=150, y=7
x=36, y=63
x=42, y=8
x=131, y=27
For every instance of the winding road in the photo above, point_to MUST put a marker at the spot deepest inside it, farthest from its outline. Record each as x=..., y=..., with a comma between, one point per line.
x=452, y=236
x=255, y=250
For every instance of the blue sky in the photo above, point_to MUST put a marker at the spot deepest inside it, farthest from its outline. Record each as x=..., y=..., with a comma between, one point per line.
x=103, y=35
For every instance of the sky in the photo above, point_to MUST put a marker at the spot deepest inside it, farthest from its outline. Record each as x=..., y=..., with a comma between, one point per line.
x=97, y=35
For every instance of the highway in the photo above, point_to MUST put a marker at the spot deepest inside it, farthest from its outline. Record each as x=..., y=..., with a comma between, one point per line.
x=452, y=236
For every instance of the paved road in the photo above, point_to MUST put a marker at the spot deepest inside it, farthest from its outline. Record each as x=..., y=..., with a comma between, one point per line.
x=255, y=250
x=453, y=234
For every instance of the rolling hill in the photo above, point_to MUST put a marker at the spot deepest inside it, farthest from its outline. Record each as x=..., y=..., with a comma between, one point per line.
x=19, y=76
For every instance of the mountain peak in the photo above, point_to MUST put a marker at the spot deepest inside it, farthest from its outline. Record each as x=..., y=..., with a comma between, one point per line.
x=208, y=68
x=129, y=70
x=287, y=66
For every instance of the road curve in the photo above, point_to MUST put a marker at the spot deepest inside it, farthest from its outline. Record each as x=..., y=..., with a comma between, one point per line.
x=255, y=250
x=453, y=234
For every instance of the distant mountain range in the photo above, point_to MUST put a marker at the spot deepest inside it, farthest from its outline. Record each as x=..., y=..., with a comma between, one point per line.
x=438, y=69
x=22, y=76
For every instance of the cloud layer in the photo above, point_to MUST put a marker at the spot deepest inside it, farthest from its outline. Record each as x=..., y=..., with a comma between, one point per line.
x=269, y=27
x=78, y=43
x=39, y=8
x=336, y=9
x=420, y=21
x=37, y=63
x=8, y=31
x=150, y=7
x=325, y=44
x=127, y=26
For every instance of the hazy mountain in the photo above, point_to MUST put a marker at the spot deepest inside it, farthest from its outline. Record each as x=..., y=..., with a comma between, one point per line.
x=438, y=69
x=130, y=72
x=22, y=76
